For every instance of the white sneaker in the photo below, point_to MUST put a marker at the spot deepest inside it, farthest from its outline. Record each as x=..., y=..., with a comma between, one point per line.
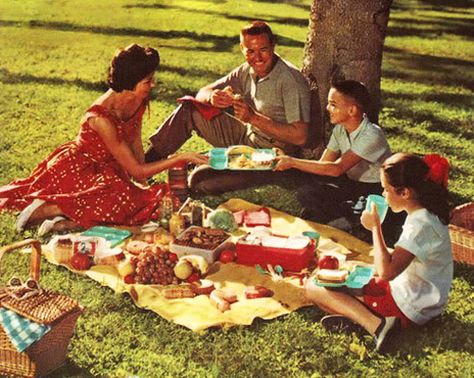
x=48, y=225
x=25, y=214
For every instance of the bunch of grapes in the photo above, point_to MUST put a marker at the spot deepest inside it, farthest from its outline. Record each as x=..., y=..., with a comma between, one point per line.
x=155, y=267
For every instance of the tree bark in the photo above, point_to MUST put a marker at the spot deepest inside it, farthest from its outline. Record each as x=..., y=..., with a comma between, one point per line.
x=345, y=41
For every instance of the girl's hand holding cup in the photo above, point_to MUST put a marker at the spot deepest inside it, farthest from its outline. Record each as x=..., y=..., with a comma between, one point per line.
x=370, y=218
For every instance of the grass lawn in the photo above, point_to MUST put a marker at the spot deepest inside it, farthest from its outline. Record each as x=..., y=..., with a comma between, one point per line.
x=53, y=60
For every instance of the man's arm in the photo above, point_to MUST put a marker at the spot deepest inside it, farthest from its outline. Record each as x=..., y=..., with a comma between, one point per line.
x=294, y=133
x=330, y=164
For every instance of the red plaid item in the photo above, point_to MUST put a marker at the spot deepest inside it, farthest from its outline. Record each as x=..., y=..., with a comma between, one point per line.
x=207, y=111
x=378, y=297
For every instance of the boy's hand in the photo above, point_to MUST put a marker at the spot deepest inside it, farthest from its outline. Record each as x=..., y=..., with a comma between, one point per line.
x=283, y=163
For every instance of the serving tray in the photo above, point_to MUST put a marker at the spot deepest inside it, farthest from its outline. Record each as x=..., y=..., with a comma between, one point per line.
x=219, y=159
x=113, y=235
x=357, y=279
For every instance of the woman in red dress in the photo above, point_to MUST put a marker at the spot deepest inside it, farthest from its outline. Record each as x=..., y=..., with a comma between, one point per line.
x=100, y=177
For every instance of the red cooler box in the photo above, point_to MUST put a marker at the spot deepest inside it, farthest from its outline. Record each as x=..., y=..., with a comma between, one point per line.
x=293, y=260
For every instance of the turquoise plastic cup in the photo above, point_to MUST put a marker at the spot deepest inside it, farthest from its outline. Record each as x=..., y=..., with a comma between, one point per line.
x=312, y=235
x=380, y=203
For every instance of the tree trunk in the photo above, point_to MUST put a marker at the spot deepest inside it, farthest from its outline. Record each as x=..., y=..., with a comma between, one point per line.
x=345, y=41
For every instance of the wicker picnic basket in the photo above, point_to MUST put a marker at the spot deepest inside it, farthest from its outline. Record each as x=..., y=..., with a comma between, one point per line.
x=461, y=230
x=56, y=310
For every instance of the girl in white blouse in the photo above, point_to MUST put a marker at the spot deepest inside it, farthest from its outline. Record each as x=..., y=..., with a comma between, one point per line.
x=415, y=278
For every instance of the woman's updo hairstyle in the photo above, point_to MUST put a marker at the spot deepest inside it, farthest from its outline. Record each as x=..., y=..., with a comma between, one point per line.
x=411, y=171
x=131, y=65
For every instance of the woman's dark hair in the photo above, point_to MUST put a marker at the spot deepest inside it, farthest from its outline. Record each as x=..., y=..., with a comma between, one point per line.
x=131, y=65
x=356, y=90
x=410, y=171
x=257, y=28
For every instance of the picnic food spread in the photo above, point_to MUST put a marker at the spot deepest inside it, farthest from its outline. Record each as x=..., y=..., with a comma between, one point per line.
x=187, y=275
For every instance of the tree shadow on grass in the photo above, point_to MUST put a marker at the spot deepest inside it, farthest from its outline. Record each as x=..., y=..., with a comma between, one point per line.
x=167, y=93
x=448, y=3
x=246, y=19
x=69, y=369
x=425, y=69
x=430, y=29
x=220, y=43
x=442, y=333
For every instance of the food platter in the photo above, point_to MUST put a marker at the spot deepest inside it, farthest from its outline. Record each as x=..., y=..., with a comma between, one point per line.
x=357, y=279
x=242, y=158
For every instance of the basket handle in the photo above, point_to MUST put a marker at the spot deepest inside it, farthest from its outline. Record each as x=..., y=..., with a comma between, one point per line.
x=35, y=254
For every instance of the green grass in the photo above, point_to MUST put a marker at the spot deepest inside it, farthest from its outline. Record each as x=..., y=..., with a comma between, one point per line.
x=53, y=59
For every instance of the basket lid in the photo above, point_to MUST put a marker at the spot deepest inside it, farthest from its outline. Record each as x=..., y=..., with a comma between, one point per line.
x=44, y=308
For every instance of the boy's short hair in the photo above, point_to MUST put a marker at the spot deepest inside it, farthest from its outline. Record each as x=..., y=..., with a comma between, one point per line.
x=356, y=90
x=257, y=28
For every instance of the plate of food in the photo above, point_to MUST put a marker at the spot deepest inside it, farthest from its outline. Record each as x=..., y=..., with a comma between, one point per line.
x=242, y=158
x=356, y=279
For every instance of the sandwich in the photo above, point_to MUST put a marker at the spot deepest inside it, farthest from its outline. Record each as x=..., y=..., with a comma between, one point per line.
x=332, y=275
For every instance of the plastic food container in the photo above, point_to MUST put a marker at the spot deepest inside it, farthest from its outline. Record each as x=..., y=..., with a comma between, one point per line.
x=357, y=279
x=219, y=159
x=293, y=260
x=210, y=254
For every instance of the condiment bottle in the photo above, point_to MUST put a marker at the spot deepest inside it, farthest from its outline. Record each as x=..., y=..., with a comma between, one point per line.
x=177, y=224
x=196, y=216
x=178, y=180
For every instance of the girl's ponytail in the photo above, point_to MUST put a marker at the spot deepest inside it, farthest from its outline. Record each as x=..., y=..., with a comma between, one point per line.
x=427, y=177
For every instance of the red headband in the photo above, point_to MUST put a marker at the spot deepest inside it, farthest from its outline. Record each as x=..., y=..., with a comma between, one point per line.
x=439, y=169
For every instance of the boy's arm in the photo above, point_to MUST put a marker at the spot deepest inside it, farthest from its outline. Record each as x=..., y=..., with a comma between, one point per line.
x=330, y=164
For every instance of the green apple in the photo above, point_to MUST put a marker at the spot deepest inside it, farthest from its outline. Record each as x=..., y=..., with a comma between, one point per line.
x=183, y=269
x=125, y=268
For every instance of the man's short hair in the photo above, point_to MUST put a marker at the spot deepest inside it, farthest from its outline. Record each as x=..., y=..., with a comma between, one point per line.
x=257, y=28
x=356, y=90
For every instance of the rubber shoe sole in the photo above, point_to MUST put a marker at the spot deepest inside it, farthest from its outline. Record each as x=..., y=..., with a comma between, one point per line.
x=386, y=336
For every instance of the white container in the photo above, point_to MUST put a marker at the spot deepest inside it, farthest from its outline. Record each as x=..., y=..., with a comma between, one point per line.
x=210, y=255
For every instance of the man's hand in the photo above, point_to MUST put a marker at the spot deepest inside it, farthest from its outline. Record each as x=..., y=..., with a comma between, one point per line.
x=243, y=111
x=220, y=99
x=283, y=163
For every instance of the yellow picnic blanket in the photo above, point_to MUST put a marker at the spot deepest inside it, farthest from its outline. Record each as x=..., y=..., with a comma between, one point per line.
x=199, y=314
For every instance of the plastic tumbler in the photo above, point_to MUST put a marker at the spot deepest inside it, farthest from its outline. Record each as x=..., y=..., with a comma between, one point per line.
x=380, y=203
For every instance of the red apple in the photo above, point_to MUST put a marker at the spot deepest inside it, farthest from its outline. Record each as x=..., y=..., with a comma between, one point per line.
x=194, y=277
x=80, y=261
x=173, y=257
x=328, y=262
x=227, y=256
x=129, y=279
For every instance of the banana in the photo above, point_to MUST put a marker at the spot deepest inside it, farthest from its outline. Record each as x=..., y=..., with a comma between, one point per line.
x=240, y=149
x=197, y=262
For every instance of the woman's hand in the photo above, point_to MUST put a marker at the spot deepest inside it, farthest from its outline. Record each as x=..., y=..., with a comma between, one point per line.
x=283, y=163
x=193, y=157
x=370, y=219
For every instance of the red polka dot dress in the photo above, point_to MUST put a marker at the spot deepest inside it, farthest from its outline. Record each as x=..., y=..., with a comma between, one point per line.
x=86, y=182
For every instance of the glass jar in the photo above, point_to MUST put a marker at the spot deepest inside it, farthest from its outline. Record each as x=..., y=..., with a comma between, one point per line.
x=178, y=180
x=177, y=224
